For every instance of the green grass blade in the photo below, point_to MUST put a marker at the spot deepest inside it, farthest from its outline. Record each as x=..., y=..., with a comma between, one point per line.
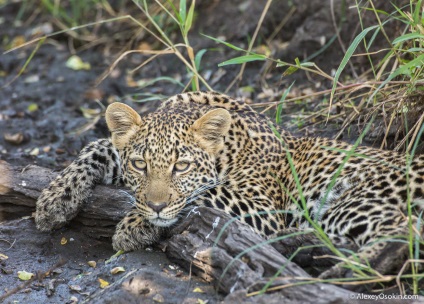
x=224, y=43
x=348, y=55
x=280, y=104
x=198, y=58
x=415, y=49
x=406, y=37
x=416, y=12
x=243, y=59
x=282, y=63
x=176, y=12
x=417, y=236
x=402, y=70
x=183, y=11
x=189, y=19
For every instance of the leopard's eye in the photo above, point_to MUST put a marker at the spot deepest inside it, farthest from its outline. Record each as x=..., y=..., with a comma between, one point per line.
x=139, y=164
x=181, y=166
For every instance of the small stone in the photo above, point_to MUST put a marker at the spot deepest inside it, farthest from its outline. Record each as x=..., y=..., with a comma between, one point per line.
x=158, y=298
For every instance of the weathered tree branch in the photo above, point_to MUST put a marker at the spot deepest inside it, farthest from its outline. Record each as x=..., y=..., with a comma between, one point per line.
x=21, y=186
x=232, y=256
x=237, y=259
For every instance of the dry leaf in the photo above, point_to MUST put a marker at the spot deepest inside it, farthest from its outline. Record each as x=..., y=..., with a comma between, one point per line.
x=144, y=46
x=63, y=241
x=75, y=287
x=17, y=41
x=94, y=94
x=197, y=289
x=75, y=63
x=73, y=299
x=103, y=283
x=35, y=152
x=130, y=81
x=32, y=107
x=116, y=270
x=263, y=49
x=92, y=264
x=25, y=276
x=3, y=257
x=15, y=139
x=32, y=79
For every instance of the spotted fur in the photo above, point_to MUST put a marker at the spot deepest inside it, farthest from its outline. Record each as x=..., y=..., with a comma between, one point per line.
x=238, y=161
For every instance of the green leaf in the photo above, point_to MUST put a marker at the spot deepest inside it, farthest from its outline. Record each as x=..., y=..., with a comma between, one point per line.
x=32, y=107
x=349, y=54
x=243, y=59
x=406, y=37
x=198, y=58
x=417, y=11
x=183, y=11
x=75, y=63
x=189, y=19
x=307, y=64
x=290, y=70
x=224, y=43
x=281, y=63
x=372, y=9
x=402, y=70
x=415, y=49
x=25, y=276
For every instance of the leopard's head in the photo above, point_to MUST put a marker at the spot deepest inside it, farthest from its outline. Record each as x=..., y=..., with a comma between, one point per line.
x=167, y=156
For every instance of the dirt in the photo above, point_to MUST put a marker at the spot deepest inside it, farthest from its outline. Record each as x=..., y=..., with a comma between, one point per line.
x=153, y=275
x=42, y=122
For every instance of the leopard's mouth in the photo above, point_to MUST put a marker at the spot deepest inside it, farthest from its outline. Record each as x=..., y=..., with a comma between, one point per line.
x=162, y=222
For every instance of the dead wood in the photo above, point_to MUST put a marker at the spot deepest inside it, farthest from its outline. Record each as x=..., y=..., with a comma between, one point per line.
x=231, y=255
x=239, y=261
x=21, y=186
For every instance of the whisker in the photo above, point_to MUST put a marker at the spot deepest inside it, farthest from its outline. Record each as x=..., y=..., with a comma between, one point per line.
x=131, y=199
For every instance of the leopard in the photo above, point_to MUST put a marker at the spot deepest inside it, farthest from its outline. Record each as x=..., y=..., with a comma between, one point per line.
x=209, y=149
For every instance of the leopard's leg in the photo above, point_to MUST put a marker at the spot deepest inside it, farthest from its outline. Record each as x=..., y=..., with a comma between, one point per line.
x=135, y=232
x=97, y=163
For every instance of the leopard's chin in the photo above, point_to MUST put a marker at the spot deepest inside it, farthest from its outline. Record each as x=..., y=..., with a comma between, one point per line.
x=161, y=222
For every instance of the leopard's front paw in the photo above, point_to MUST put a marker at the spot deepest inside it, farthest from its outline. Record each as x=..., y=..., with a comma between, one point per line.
x=53, y=210
x=122, y=241
x=134, y=232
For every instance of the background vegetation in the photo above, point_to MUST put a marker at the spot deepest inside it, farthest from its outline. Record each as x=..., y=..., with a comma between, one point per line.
x=350, y=70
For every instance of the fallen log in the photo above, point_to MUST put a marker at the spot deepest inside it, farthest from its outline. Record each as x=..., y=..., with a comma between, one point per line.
x=231, y=255
x=21, y=186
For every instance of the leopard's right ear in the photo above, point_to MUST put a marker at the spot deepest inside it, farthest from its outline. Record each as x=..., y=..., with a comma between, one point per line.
x=123, y=123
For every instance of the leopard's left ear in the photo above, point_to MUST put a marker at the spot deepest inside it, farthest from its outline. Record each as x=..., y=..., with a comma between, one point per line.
x=123, y=122
x=210, y=129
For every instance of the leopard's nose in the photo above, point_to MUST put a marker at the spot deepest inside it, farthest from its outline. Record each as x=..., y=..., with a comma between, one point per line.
x=156, y=207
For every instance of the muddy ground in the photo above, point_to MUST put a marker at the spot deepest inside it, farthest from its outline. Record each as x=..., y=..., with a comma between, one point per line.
x=50, y=112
